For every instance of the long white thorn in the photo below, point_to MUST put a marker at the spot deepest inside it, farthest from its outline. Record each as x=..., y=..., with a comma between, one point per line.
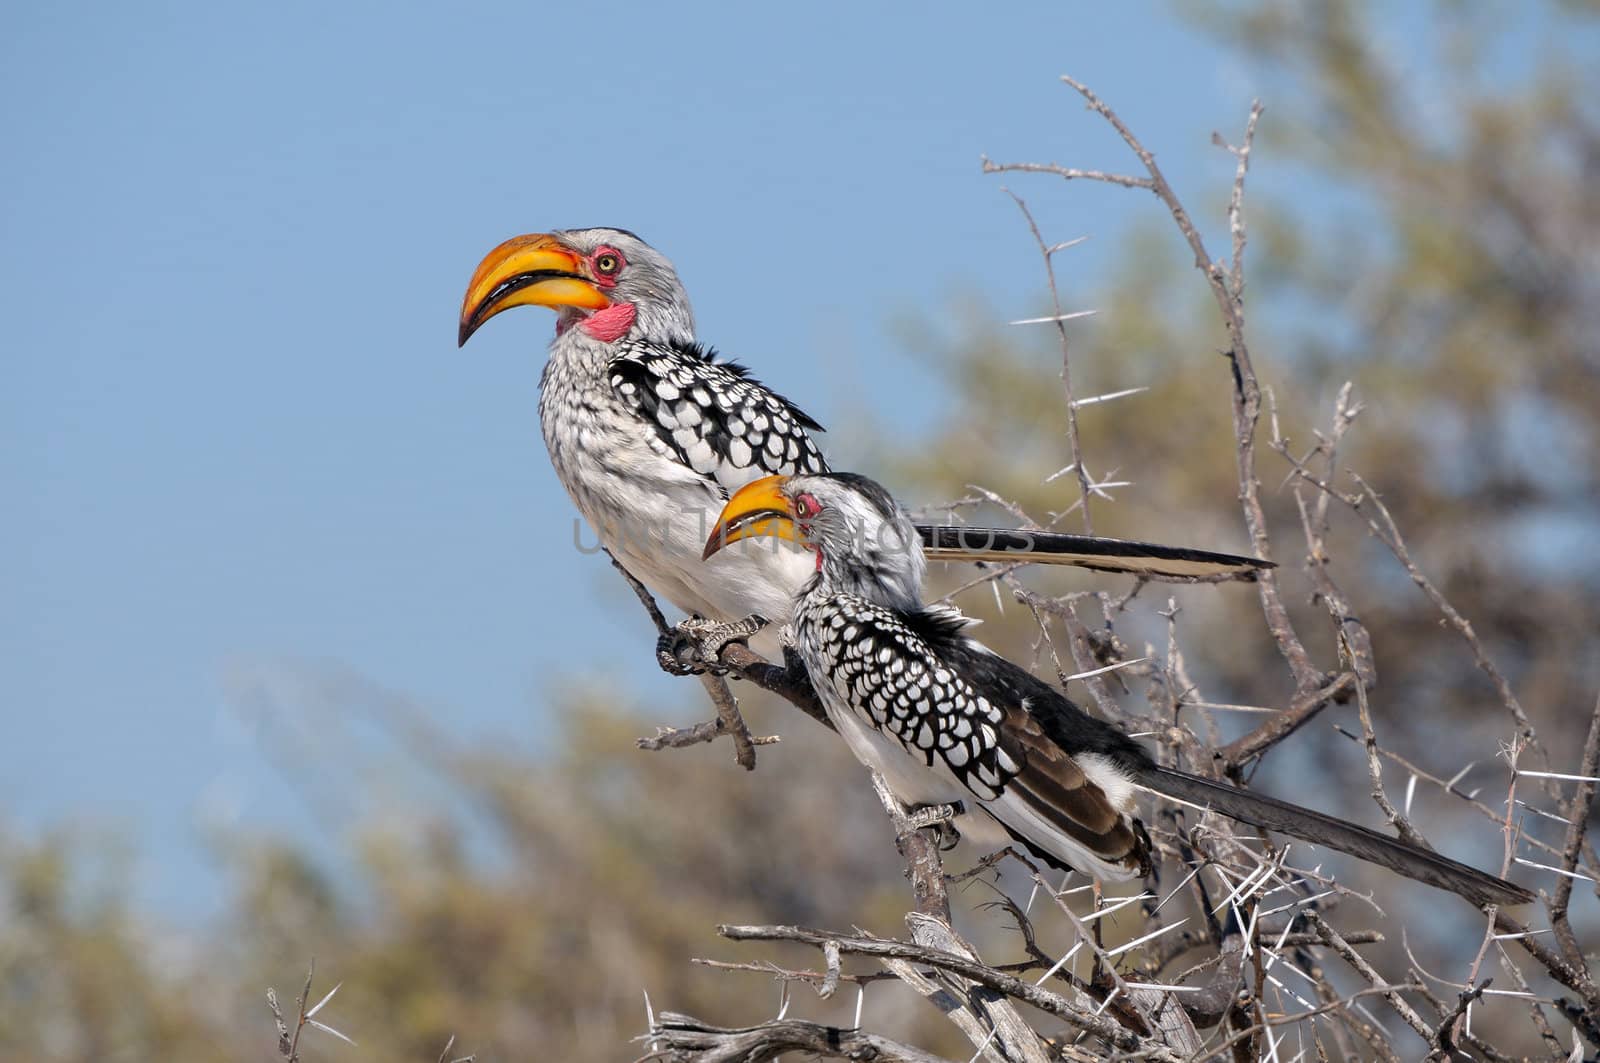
x=1107, y=397
x=1228, y=900
x=1108, y=909
x=984, y=1047
x=1033, y=895
x=1195, y=871
x=325, y=1028
x=1052, y=319
x=324, y=1000
x=1100, y=488
x=1557, y=775
x=1298, y=903
x=1136, y=942
x=1546, y=815
x=1066, y=958
x=1557, y=870
x=1107, y=668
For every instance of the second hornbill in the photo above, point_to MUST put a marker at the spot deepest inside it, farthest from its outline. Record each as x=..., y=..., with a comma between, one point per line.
x=945, y=720
x=649, y=432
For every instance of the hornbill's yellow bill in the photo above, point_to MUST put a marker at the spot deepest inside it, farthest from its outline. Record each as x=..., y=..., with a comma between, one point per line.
x=760, y=508
x=757, y=509
x=533, y=270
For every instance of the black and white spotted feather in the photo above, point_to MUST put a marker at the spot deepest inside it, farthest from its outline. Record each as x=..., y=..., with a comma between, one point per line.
x=880, y=664
x=945, y=719
x=713, y=416
x=902, y=689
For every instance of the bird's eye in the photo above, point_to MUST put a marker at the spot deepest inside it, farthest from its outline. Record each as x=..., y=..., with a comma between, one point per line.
x=806, y=507
x=607, y=262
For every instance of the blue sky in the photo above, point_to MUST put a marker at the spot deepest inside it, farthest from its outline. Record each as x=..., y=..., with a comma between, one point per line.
x=236, y=435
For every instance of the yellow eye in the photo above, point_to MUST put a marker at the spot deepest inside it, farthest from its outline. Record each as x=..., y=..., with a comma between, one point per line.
x=607, y=262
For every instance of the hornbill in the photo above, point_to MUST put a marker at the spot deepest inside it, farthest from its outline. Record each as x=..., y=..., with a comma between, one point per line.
x=649, y=432
x=946, y=720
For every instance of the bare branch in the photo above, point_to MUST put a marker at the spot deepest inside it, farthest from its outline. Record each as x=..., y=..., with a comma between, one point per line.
x=709, y=731
x=1332, y=938
x=1074, y=450
x=1375, y=773
x=729, y=718
x=1246, y=390
x=1069, y=173
x=1578, y=811
x=1233, y=756
x=680, y=1037
x=1349, y=628
x=1009, y=985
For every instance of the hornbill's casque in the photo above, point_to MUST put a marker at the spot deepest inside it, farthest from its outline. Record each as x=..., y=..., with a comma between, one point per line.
x=649, y=433
x=946, y=720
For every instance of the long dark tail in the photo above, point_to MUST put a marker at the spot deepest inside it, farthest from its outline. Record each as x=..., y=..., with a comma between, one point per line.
x=951, y=542
x=1268, y=813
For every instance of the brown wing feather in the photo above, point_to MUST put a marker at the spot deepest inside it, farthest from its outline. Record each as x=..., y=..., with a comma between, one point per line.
x=1055, y=786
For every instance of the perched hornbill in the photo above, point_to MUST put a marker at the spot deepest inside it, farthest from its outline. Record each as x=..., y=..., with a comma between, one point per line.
x=649, y=433
x=945, y=720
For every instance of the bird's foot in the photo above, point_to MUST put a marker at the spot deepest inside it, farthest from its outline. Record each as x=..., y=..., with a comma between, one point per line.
x=940, y=816
x=695, y=645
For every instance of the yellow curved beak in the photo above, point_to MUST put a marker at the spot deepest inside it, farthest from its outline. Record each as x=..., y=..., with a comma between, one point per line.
x=757, y=509
x=532, y=270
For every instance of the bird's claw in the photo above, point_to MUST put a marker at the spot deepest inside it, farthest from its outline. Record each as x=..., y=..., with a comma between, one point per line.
x=695, y=646
x=941, y=817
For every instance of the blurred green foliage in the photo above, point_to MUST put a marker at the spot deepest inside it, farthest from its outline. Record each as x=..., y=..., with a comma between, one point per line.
x=1458, y=285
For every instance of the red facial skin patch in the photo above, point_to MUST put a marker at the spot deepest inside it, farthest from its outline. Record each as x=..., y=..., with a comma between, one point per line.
x=610, y=324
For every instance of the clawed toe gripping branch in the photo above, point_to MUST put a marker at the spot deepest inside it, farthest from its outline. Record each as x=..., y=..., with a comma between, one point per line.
x=940, y=818
x=695, y=646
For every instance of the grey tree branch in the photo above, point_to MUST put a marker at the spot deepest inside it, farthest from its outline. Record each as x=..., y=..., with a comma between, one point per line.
x=682, y=1038
x=1332, y=938
x=1009, y=985
x=679, y=737
x=988, y=1018
x=1074, y=450
x=1236, y=754
x=1314, y=524
x=1246, y=390
x=1375, y=772
x=1578, y=812
x=730, y=720
x=1068, y=173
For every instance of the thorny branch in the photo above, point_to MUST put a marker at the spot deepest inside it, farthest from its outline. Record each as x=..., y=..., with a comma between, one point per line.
x=1246, y=390
x=1314, y=522
x=729, y=720
x=680, y=1037
x=1262, y=925
x=1578, y=811
x=1233, y=757
x=1074, y=450
x=305, y=1015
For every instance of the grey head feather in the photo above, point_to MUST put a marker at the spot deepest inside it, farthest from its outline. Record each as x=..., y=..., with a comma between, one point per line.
x=648, y=281
x=869, y=545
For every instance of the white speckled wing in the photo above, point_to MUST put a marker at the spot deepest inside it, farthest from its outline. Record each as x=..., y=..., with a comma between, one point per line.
x=712, y=416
